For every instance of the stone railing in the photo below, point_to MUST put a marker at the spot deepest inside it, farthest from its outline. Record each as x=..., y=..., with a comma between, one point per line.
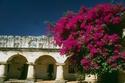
x=27, y=42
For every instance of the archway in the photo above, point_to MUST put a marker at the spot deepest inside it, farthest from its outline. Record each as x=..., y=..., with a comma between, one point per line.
x=70, y=70
x=17, y=67
x=45, y=68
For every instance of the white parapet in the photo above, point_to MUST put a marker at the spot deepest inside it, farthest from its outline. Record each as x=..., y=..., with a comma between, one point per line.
x=27, y=42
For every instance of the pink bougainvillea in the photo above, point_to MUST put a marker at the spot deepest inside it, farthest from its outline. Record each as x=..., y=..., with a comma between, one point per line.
x=94, y=35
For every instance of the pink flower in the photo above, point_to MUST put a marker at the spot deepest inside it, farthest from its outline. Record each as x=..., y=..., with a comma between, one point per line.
x=116, y=51
x=93, y=51
x=114, y=65
x=95, y=65
x=97, y=35
x=107, y=19
x=123, y=56
x=83, y=25
x=89, y=46
x=115, y=57
x=89, y=34
x=116, y=20
x=86, y=63
x=100, y=43
x=113, y=38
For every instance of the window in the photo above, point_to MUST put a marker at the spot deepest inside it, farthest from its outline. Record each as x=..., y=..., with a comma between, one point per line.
x=72, y=68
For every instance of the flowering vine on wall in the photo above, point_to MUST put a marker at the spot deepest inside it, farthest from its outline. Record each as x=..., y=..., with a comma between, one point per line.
x=93, y=37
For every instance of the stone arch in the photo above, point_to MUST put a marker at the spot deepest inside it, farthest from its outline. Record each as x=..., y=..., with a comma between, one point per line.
x=45, y=68
x=17, y=55
x=16, y=67
x=69, y=71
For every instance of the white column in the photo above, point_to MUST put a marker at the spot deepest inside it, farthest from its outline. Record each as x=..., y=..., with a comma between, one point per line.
x=59, y=72
x=123, y=32
x=30, y=73
x=2, y=71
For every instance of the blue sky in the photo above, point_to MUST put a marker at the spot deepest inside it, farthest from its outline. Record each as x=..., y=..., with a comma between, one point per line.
x=28, y=17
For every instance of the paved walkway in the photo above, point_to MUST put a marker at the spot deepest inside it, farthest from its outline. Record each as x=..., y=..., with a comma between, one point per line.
x=39, y=81
x=54, y=82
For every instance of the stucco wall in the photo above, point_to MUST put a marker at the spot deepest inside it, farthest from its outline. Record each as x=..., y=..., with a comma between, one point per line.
x=40, y=59
x=31, y=55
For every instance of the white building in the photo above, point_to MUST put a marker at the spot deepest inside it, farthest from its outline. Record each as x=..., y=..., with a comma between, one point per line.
x=34, y=58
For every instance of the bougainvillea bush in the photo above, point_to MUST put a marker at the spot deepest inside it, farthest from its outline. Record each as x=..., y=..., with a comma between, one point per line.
x=92, y=37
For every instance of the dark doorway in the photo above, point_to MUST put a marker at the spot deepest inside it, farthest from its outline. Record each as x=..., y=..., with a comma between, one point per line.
x=24, y=71
x=50, y=71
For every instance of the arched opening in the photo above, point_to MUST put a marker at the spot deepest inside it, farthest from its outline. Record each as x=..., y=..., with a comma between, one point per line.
x=45, y=68
x=70, y=70
x=16, y=67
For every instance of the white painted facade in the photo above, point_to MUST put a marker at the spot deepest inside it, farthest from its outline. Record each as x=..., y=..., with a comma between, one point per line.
x=34, y=58
x=29, y=57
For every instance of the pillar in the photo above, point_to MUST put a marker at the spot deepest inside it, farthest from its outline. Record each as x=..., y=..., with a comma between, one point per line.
x=59, y=73
x=30, y=73
x=2, y=72
x=123, y=32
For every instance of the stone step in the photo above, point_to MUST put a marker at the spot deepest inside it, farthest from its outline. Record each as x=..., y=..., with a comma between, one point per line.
x=45, y=82
x=72, y=82
x=25, y=81
x=16, y=81
x=54, y=82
